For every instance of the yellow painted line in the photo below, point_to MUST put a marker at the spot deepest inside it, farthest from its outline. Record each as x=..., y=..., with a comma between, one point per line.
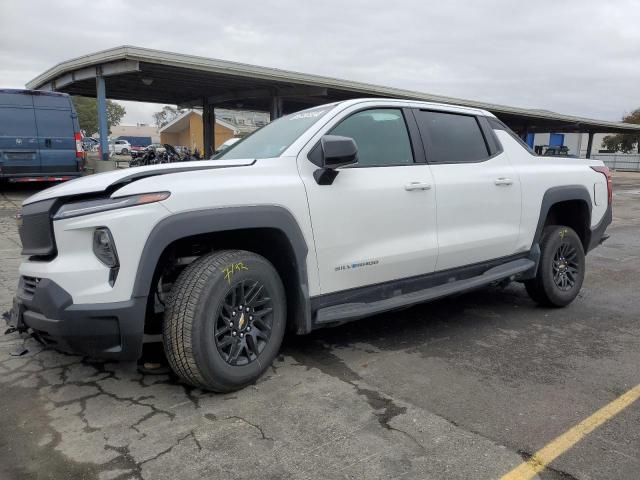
x=542, y=458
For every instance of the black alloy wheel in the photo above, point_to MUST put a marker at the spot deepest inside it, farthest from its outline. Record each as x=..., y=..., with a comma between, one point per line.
x=244, y=322
x=565, y=267
x=561, y=267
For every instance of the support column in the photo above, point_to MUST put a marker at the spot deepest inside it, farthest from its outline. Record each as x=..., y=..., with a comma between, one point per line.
x=525, y=132
x=276, y=108
x=589, y=145
x=208, y=125
x=103, y=128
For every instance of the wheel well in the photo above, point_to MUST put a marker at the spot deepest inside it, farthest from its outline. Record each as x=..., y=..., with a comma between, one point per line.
x=270, y=243
x=574, y=214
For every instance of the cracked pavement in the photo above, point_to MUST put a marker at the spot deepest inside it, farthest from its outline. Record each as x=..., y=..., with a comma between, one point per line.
x=465, y=387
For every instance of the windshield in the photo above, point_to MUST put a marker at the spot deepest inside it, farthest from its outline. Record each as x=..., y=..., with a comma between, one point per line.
x=274, y=138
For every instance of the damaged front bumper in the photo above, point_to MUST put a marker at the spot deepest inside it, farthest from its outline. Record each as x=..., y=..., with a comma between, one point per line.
x=102, y=330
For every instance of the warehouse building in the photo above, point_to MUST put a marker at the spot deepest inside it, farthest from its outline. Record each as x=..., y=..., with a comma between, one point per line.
x=154, y=76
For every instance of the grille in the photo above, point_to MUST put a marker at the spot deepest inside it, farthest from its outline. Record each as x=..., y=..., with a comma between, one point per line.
x=36, y=231
x=29, y=285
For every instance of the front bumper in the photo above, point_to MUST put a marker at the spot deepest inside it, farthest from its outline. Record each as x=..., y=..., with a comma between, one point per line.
x=102, y=330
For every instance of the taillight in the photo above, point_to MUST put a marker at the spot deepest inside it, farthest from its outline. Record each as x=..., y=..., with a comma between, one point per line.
x=607, y=173
x=78, y=138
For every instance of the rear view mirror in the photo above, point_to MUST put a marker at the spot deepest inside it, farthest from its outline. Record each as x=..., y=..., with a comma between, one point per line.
x=336, y=152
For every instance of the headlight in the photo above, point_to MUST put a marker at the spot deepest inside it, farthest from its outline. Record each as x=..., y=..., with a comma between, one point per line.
x=104, y=247
x=75, y=209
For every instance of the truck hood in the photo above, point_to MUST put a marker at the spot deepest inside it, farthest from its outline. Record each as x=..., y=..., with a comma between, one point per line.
x=111, y=181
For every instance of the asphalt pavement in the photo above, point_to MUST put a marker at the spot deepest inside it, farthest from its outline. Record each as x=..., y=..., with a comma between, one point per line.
x=465, y=387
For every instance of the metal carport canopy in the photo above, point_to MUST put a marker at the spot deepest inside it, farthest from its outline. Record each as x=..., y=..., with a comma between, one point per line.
x=147, y=75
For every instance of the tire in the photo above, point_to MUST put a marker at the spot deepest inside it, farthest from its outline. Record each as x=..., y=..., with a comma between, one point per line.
x=198, y=340
x=561, y=268
x=124, y=151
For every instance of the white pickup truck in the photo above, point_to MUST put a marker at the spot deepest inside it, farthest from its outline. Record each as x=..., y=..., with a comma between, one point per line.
x=324, y=216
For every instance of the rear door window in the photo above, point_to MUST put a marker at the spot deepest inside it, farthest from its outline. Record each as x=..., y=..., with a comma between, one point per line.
x=51, y=101
x=8, y=97
x=451, y=137
x=17, y=122
x=54, y=123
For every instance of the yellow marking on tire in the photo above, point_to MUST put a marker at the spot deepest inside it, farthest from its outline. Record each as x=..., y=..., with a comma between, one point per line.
x=542, y=458
x=234, y=267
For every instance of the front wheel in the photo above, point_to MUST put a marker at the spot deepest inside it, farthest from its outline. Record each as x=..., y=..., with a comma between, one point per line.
x=224, y=320
x=561, y=268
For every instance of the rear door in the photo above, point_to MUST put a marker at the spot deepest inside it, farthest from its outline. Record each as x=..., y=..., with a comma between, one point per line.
x=55, y=123
x=477, y=190
x=18, y=135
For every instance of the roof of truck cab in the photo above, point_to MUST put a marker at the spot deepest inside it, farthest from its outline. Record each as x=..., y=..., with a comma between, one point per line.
x=148, y=75
x=417, y=104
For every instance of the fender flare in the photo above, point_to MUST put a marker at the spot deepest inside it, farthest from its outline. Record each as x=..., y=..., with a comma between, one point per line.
x=186, y=224
x=562, y=194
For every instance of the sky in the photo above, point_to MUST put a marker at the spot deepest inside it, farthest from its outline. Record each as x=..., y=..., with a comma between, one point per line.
x=574, y=57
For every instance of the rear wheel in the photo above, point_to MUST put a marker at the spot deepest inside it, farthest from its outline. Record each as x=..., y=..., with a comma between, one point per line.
x=124, y=151
x=561, y=269
x=224, y=320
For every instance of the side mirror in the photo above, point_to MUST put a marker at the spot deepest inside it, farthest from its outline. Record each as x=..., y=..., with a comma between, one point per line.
x=336, y=151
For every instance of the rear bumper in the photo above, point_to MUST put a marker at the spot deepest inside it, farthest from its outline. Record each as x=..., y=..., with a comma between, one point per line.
x=597, y=233
x=107, y=331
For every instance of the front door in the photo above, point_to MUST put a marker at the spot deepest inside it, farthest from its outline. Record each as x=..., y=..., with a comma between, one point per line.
x=377, y=221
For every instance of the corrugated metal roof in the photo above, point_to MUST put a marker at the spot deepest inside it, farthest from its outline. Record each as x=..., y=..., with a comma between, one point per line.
x=233, y=75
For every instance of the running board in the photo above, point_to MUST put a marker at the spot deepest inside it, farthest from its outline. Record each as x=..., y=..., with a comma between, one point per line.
x=352, y=311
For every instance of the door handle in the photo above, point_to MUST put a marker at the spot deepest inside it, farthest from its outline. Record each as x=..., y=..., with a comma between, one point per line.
x=417, y=186
x=503, y=181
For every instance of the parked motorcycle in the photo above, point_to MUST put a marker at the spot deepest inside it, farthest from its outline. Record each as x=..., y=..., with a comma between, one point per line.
x=151, y=156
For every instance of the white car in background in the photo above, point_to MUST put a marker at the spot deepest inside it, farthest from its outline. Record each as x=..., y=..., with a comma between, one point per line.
x=119, y=147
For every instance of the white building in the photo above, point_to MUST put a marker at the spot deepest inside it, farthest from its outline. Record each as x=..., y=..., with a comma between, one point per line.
x=576, y=142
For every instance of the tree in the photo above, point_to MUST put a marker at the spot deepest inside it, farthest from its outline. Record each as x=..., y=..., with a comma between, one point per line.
x=87, y=110
x=166, y=115
x=624, y=142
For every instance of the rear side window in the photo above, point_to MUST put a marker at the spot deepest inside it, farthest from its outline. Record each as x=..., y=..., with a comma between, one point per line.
x=17, y=122
x=451, y=137
x=498, y=125
x=54, y=123
x=381, y=136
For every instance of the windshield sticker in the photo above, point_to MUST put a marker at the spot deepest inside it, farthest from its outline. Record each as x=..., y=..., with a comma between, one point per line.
x=311, y=114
